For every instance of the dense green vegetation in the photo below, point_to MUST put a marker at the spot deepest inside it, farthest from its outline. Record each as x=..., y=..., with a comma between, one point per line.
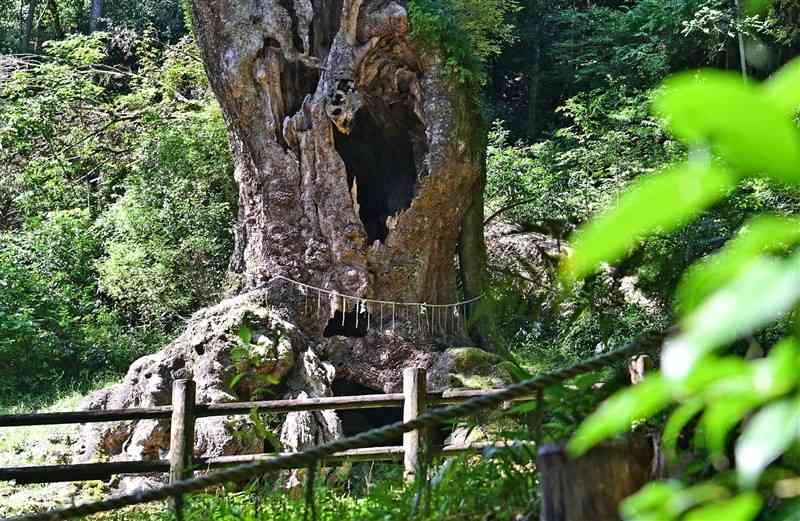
x=116, y=206
x=117, y=203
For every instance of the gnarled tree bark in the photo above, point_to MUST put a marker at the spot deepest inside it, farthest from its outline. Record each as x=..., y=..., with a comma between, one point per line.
x=357, y=162
x=360, y=170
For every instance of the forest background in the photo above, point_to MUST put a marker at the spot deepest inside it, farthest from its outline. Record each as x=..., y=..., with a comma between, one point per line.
x=117, y=197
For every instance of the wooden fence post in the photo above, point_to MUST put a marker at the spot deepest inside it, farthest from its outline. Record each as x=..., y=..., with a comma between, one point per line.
x=415, y=392
x=591, y=487
x=181, y=443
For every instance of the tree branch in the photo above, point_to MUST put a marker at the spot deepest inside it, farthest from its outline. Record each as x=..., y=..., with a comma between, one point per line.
x=507, y=208
x=350, y=12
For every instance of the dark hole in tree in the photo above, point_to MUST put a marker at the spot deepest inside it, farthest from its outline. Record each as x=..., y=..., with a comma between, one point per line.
x=297, y=81
x=379, y=154
x=354, y=324
x=362, y=420
x=289, y=6
x=325, y=25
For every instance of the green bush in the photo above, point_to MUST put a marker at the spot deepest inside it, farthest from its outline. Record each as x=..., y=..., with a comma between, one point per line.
x=56, y=331
x=168, y=238
x=466, y=32
x=117, y=204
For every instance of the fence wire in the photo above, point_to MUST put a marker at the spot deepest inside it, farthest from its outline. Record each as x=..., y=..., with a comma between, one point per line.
x=374, y=437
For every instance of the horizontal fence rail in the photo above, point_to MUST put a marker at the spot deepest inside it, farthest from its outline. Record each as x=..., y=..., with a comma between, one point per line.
x=103, y=471
x=342, y=403
x=61, y=418
x=184, y=412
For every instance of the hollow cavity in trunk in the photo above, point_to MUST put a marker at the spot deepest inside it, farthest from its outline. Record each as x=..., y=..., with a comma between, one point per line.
x=379, y=155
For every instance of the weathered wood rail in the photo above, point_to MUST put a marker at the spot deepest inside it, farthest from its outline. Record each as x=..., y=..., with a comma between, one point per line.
x=183, y=413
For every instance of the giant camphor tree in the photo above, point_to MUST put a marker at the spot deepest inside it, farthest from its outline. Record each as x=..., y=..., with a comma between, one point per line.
x=360, y=166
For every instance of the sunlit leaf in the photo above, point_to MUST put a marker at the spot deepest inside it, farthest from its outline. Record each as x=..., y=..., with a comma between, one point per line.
x=677, y=422
x=651, y=516
x=651, y=497
x=236, y=379
x=767, y=435
x=690, y=497
x=716, y=107
x=783, y=88
x=617, y=413
x=721, y=416
x=778, y=373
x=756, y=6
x=658, y=203
x=524, y=408
x=744, y=507
x=245, y=333
x=764, y=290
x=714, y=369
x=761, y=235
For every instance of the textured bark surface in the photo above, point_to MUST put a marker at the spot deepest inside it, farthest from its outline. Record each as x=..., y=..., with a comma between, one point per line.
x=593, y=486
x=358, y=164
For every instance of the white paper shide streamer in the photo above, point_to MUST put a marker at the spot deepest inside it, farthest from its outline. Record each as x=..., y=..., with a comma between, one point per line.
x=433, y=319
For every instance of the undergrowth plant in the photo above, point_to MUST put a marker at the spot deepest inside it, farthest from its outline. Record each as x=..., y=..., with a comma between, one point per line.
x=378, y=492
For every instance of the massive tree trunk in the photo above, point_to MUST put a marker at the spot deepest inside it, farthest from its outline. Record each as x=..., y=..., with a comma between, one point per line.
x=356, y=160
x=360, y=171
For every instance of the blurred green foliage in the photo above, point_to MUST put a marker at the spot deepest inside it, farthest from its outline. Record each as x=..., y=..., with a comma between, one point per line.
x=741, y=130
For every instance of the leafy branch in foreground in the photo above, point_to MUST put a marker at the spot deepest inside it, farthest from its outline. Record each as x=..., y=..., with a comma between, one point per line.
x=737, y=131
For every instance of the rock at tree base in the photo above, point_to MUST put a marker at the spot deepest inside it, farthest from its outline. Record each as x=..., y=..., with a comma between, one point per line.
x=207, y=353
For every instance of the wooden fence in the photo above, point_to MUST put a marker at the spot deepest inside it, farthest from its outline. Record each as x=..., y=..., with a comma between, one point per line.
x=184, y=411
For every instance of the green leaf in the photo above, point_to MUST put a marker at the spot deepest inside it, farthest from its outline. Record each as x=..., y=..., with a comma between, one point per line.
x=767, y=435
x=677, y=422
x=658, y=203
x=703, y=376
x=756, y=6
x=703, y=492
x=777, y=374
x=518, y=373
x=236, y=379
x=617, y=413
x=731, y=398
x=783, y=88
x=721, y=416
x=258, y=423
x=762, y=234
x=716, y=107
x=245, y=333
x=744, y=507
x=651, y=497
x=764, y=290
x=524, y=407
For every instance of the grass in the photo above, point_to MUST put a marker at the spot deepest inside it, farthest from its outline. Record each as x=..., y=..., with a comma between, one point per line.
x=14, y=440
x=41, y=445
x=501, y=487
x=63, y=399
